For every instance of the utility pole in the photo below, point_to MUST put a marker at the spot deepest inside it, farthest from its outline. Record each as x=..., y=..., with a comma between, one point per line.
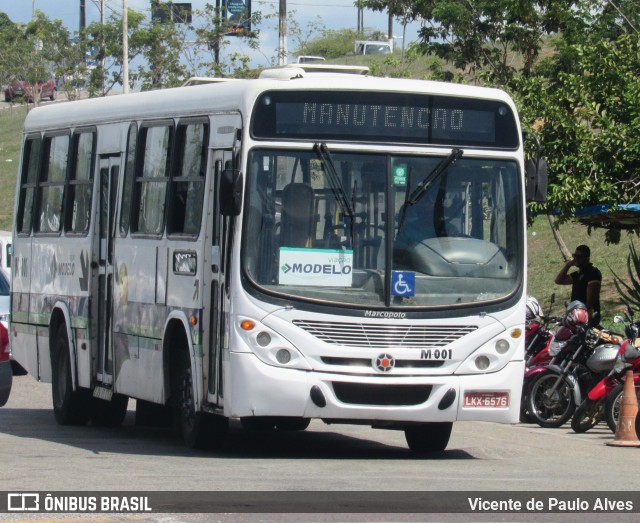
x=282, y=32
x=125, y=48
x=83, y=17
x=102, y=46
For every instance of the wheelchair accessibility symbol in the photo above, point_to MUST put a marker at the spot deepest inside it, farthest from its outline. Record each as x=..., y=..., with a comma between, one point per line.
x=403, y=283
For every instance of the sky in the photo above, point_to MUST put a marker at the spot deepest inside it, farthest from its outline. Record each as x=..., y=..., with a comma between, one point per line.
x=334, y=14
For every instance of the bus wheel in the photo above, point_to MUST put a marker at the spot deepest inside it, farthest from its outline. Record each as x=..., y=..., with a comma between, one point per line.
x=292, y=423
x=429, y=437
x=69, y=407
x=200, y=430
x=109, y=413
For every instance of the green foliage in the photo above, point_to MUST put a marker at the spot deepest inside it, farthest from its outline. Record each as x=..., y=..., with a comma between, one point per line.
x=331, y=44
x=497, y=38
x=11, y=121
x=629, y=291
x=589, y=124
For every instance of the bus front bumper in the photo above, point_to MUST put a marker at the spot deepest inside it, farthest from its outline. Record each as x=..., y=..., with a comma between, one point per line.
x=257, y=389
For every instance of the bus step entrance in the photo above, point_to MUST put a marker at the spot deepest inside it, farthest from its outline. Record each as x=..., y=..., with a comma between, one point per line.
x=102, y=393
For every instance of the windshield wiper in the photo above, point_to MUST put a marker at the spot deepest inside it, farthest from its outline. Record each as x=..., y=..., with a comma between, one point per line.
x=324, y=155
x=431, y=178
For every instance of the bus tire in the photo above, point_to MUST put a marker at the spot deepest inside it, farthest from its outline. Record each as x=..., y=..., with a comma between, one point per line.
x=199, y=430
x=69, y=407
x=109, y=413
x=292, y=424
x=428, y=437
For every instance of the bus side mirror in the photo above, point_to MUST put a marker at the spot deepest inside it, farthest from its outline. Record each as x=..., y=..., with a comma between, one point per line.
x=230, y=192
x=537, y=174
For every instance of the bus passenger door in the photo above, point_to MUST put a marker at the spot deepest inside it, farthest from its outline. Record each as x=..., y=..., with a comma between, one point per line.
x=109, y=171
x=219, y=298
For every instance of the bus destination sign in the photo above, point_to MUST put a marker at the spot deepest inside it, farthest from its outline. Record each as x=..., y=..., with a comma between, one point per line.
x=385, y=117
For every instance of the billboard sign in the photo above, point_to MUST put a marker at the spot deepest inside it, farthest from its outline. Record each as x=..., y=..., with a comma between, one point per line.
x=237, y=16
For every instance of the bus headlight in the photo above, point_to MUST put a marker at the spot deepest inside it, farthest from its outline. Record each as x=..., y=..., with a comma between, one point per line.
x=482, y=362
x=494, y=355
x=269, y=346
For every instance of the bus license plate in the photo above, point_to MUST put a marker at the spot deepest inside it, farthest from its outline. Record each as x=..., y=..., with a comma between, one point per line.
x=496, y=400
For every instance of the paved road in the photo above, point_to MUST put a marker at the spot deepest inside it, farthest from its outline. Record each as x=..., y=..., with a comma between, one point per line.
x=36, y=454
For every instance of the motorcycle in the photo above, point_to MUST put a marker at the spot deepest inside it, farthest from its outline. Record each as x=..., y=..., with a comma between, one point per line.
x=603, y=400
x=579, y=361
x=538, y=337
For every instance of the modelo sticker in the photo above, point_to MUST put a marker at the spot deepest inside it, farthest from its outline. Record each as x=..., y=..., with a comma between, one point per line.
x=315, y=267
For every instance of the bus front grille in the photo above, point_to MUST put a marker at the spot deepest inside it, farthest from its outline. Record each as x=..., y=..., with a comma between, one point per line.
x=364, y=362
x=383, y=336
x=382, y=395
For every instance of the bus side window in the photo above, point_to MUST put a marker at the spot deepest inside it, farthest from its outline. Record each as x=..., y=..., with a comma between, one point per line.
x=129, y=177
x=151, y=180
x=187, y=185
x=78, y=210
x=30, y=168
x=52, y=184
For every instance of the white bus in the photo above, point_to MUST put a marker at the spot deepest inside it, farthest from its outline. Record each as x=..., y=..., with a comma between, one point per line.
x=295, y=247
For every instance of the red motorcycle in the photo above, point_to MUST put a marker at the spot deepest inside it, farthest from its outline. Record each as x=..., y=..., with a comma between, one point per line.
x=538, y=338
x=579, y=363
x=603, y=400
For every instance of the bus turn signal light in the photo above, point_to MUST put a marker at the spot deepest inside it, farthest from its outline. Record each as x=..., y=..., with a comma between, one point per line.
x=247, y=325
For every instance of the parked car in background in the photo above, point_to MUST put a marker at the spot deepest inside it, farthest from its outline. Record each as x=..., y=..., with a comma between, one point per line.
x=6, y=372
x=5, y=309
x=369, y=47
x=21, y=89
x=309, y=59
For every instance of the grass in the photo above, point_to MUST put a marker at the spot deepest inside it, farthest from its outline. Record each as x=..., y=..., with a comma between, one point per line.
x=10, y=132
x=545, y=259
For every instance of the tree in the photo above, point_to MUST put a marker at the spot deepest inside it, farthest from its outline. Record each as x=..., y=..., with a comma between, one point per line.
x=331, y=44
x=108, y=38
x=57, y=52
x=402, y=10
x=210, y=35
x=589, y=123
x=496, y=37
x=11, y=38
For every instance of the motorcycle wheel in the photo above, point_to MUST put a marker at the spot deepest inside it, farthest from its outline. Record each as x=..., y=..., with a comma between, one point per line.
x=550, y=410
x=587, y=415
x=525, y=415
x=612, y=407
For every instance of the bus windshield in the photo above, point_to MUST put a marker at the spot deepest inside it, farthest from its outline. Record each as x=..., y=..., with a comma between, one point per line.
x=364, y=236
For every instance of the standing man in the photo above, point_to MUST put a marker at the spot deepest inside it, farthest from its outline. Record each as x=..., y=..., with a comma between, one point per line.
x=585, y=281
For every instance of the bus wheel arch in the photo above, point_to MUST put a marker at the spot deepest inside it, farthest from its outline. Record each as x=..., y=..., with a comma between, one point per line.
x=71, y=405
x=198, y=429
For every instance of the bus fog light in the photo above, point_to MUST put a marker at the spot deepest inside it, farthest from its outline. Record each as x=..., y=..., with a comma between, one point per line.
x=283, y=356
x=482, y=362
x=263, y=338
x=502, y=346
